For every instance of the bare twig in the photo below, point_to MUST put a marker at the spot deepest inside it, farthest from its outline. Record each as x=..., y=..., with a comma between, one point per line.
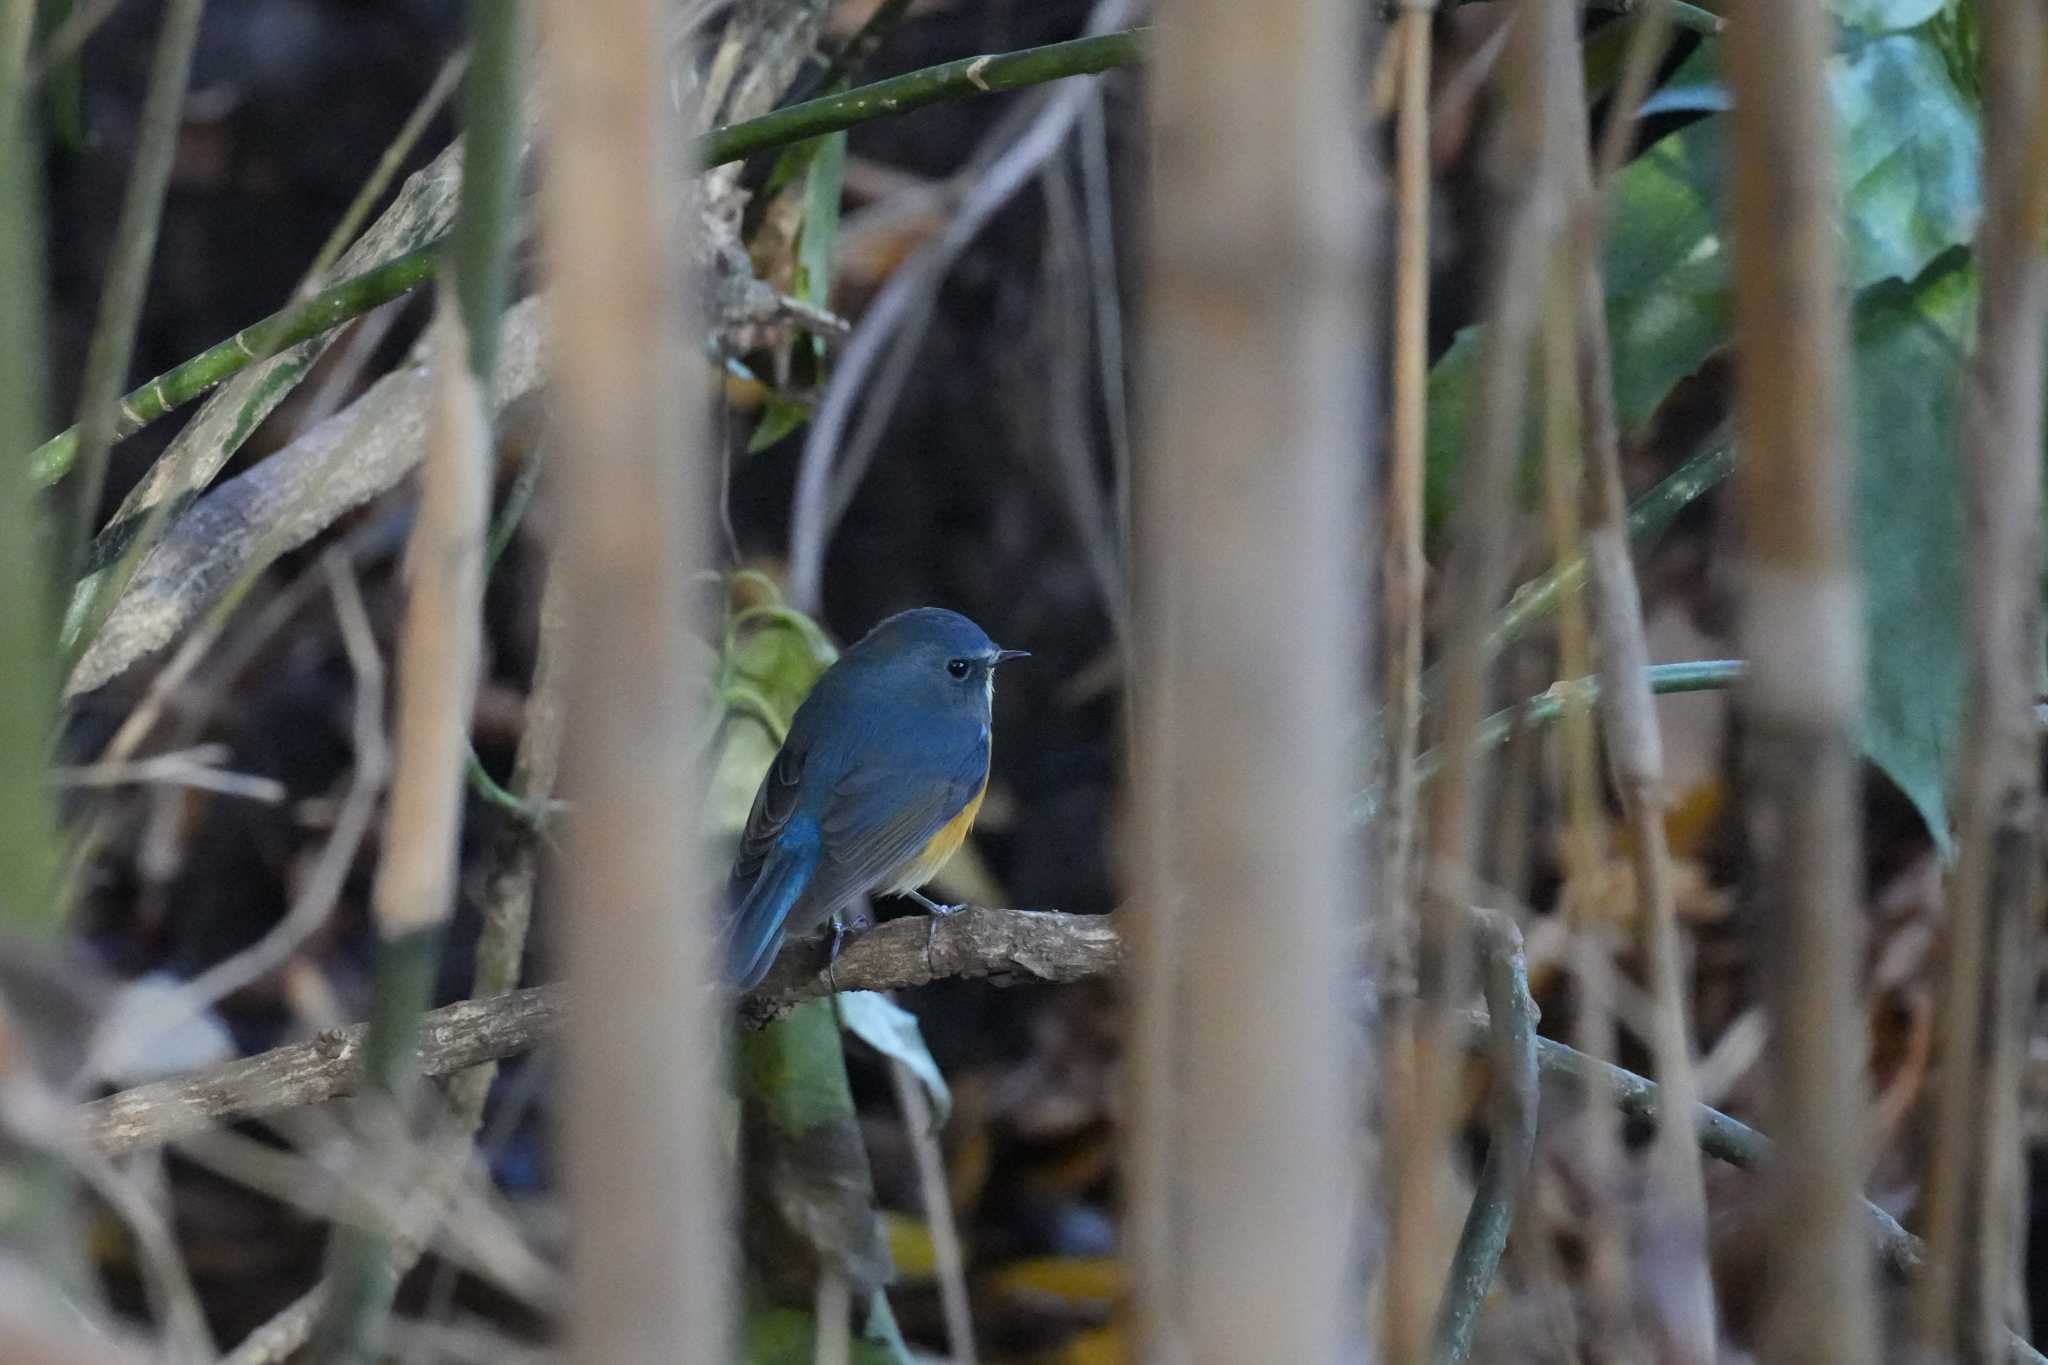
x=120, y=309
x=139, y=1199
x=949, y=1262
x=123, y=552
x=1646, y=47
x=1977, y=1180
x=322, y=888
x=1067, y=430
x=891, y=330
x=1099, y=208
x=388, y=164
x=1801, y=625
x=832, y=1319
x=1511, y=1141
x=197, y=768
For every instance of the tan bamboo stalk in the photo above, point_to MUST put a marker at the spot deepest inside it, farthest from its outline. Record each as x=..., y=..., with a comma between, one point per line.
x=1802, y=633
x=1249, y=484
x=1403, y=568
x=1976, y=1182
x=646, y=1170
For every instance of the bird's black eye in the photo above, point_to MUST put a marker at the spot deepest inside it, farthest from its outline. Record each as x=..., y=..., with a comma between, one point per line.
x=958, y=667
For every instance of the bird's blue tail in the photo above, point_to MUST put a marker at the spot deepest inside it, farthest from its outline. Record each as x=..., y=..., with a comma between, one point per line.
x=754, y=933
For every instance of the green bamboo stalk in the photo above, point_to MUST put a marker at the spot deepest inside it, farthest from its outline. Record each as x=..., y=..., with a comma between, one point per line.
x=953, y=80
x=282, y=330
x=487, y=226
x=39, y=1224
x=352, y=297
x=120, y=309
x=28, y=829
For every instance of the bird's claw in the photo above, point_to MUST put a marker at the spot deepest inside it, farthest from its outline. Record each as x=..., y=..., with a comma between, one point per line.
x=933, y=906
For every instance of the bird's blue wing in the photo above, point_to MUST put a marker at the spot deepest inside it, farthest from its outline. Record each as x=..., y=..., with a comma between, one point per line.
x=882, y=815
x=771, y=870
x=808, y=851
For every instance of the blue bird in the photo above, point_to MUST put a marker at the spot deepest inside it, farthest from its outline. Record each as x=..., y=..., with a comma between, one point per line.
x=876, y=785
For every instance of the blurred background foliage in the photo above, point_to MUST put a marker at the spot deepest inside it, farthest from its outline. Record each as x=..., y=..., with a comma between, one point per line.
x=988, y=492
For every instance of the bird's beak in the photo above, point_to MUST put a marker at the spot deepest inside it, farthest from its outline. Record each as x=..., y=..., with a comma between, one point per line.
x=1003, y=656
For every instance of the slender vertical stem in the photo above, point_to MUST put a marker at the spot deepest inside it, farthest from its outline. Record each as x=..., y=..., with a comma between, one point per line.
x=645, y=1165
x=1976, y=1181
x=1802, y=628
x=1629, y=722
x=439, y=657
x=1255, y=271
x=948, y=1261
x=394, y=157
x=1596, y=1125
x=1526, y=223
x=28, y=679
x=1403, y=569
x=487, y=221
x=120, y=310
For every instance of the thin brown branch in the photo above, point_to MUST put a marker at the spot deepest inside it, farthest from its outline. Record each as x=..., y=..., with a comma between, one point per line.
x=1976, y=1179
x=1527, y=217
x=1628, y=717
x=328, y=1067
x=1403, y=567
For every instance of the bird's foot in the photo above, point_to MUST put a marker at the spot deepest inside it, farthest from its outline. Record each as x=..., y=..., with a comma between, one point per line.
x=933, y=906
x=844, y=927
x=832, y=953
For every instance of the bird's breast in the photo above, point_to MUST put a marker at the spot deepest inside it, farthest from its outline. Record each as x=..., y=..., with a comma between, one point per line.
x=942, y=846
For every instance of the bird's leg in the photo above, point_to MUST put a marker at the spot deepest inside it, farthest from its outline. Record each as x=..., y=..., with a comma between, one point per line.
x=832, y=953
x=933, y=906
x=931, y=924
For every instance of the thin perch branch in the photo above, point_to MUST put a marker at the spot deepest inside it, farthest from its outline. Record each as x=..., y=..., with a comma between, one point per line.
x=1003, y=945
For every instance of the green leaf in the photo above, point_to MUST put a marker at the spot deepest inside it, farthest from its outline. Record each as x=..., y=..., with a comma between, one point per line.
x=824, y=181
x=794, y=1068
x=767, y=669
x=1910, y=343
x=808, y=1196
x=891, y=1030
x=1908, y=151
x=1908, y=154
x=779, y=417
